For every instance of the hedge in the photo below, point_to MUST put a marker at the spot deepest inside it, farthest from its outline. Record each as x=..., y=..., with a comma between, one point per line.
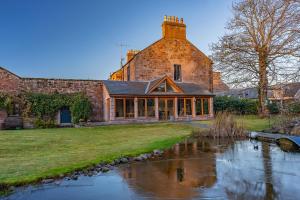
x=235, y=105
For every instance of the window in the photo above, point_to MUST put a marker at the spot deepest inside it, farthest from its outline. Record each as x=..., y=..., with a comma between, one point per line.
x=198, y=106
x=150, y=108
x=188, y=106
x=119, y=107
x=164, y=87
x=161, y=87
x=202, y=106
x=141, y=107
x=184, y=106
x=128, y=73
x=180, y=107
x=177, y=72
x=206, y=106
x=129, y=108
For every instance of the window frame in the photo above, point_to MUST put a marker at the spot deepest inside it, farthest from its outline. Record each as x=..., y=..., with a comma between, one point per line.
x=124, y=107
x=184, y=106
x=177, y=76
x=202, y=105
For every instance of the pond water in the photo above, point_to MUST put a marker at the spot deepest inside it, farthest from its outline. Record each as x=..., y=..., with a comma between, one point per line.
x=193, y=169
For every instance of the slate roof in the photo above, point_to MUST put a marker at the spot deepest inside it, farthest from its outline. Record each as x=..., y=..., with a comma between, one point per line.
x=140, y=88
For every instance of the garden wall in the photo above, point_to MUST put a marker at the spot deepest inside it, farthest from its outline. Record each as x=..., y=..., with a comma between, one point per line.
x=3, y=116
x=13, y=84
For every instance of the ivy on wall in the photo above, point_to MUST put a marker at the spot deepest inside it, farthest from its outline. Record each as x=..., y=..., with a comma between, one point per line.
x=46, y=106
x=6, y=103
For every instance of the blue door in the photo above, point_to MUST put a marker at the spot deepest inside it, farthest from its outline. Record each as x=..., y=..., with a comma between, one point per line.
x=65, y=115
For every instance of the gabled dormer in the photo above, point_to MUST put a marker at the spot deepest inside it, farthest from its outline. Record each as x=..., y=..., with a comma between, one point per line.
x=163, y=85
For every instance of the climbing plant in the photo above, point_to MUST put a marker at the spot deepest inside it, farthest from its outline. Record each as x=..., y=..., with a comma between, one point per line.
x=45, y=106
x=6, y=103
x=81, y=108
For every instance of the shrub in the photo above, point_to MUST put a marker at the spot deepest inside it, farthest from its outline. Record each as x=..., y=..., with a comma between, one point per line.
x=273, y=108
x=81, y=108
x=294, y=108
x=235, y=105
x=6, y=103
x=40, y=123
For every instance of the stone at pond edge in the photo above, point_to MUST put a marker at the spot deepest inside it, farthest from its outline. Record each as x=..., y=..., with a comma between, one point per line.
x=295, y=130
x=46, y=181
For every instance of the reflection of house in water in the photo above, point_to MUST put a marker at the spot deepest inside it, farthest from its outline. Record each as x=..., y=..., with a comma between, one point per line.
x=187, y=166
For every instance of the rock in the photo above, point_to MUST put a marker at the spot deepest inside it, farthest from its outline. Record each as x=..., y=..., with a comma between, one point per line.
x=138, y=158
x=74, y=177
x=11, y=188
x=295, y=130
x=157, y=152
x=46, y=181
x=124, y=160
x=104, y=169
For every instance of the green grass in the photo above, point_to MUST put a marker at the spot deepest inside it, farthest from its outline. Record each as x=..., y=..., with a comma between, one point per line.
x=29, y=155
x=251, y=122
x=254, y=123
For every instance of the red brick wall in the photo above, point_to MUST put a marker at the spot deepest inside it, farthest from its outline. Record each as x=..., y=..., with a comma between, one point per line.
x=12, y=84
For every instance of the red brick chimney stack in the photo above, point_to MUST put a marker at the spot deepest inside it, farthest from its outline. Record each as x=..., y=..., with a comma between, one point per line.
x=173, y=28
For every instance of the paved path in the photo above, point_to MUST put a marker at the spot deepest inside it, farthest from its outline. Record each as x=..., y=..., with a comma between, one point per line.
x=276, y=137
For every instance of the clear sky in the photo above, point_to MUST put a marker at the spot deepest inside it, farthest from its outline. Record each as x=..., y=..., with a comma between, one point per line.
x=79, y=38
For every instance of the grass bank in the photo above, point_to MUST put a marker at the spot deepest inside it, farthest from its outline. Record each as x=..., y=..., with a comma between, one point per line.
x=29, y=155
x=251, y=122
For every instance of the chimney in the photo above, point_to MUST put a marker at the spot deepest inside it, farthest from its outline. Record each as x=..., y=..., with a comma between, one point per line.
x=131, y=53
x=173, y=28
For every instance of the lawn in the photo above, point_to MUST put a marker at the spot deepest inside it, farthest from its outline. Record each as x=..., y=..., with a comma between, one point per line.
x=28, y=155
x=251, y=122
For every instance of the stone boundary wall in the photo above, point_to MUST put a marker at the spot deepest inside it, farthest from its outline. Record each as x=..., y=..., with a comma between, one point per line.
x=13, y=84
x=3, y=116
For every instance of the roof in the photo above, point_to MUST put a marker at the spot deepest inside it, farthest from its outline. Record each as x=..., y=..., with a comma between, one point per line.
x=140, y=88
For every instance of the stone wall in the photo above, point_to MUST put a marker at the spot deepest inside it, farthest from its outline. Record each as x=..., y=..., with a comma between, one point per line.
x=159, y=58
x=9, y=82
x=3, y=115
x=13, y=84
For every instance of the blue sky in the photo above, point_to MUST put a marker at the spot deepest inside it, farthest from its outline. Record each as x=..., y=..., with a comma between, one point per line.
x=79, y=38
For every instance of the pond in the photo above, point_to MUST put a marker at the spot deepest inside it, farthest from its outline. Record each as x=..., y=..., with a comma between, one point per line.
x=193, y=169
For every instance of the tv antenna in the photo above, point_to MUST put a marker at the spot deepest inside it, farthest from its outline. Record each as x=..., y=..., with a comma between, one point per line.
x=121, y=46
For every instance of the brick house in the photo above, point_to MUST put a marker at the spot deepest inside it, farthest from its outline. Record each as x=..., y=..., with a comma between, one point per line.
x=169, y=80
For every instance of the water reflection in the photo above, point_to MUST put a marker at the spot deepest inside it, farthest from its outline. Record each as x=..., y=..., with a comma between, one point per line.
x=187, y=166
x=194, y=169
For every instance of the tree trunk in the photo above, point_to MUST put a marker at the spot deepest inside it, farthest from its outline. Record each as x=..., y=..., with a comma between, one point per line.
x=262, y=84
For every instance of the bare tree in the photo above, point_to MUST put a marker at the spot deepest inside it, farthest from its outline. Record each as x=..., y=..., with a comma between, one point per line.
x=262, y=43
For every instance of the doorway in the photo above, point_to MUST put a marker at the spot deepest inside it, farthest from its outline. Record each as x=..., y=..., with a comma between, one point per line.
x=166, y=109
x=65, y=115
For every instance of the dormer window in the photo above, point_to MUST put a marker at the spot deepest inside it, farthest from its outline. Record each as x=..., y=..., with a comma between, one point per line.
x=164, y=87
x=177, y=72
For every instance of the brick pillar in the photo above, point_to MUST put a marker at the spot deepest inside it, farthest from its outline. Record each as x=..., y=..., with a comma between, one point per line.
x=135, y=107
x=112, y=108
x=175, y=108
x=193, y=107
x=156, y=108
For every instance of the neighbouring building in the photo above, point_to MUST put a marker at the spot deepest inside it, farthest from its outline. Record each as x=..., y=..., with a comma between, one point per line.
x=169, y=80
x=284, y=92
